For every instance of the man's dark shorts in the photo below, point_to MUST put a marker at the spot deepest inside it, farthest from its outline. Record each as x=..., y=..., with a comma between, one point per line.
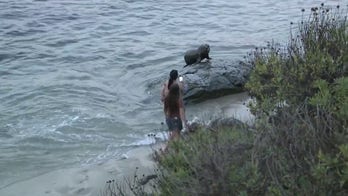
x=174, y=123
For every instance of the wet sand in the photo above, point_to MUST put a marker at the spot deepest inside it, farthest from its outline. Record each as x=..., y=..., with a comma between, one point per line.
x=227, y=106
x=87, y=181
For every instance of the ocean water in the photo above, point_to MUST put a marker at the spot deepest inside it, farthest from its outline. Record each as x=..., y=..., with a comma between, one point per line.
x=80, y=79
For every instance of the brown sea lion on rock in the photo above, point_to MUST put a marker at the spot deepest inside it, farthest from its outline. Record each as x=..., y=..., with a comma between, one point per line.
x=196, y=56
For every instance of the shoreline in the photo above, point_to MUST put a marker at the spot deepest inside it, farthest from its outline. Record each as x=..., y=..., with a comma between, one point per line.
x=88, y=180
x=91, y=180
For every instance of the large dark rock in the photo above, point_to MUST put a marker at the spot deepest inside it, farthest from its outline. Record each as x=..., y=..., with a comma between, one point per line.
x=213, y=79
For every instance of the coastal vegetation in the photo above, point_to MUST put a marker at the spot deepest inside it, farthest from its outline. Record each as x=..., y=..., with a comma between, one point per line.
x=299, y=141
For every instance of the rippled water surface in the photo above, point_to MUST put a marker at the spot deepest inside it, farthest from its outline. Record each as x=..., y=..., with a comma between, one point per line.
x=80, y=79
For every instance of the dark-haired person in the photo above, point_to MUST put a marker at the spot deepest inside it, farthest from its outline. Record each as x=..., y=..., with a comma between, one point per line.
x=174, y=112
x=173, y=77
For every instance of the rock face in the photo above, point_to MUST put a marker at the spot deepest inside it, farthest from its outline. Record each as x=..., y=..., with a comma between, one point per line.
x=213, y=79
x=219, y=123
x=226, y=122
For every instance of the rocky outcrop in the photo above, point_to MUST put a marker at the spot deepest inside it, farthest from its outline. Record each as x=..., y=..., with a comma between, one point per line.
x=218, y=124
x=213, y=79
x=226, y=123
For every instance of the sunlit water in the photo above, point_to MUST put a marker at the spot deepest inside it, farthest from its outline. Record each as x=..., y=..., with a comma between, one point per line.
x=80, y=79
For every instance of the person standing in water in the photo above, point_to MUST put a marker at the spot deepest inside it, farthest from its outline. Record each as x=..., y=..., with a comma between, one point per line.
x=174, y=112
x=173, y=77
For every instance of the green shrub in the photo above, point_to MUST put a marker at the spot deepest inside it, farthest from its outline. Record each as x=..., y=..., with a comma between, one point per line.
x=290, y=150
x=330, y=174
x=210, y=163
x=300, y=98
x=317, y=51
x=332, y=97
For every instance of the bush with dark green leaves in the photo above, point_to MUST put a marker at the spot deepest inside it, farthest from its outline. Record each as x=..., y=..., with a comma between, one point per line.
x=210, y=163
x=314, y=62
x=300, y=96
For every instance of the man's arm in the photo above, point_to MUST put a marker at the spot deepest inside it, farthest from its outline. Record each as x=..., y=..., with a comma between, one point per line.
x=163, y=92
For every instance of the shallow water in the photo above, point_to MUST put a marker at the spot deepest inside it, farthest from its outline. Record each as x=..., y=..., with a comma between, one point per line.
x=80, y=80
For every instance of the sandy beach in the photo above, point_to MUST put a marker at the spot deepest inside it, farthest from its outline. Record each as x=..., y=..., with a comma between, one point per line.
x=87, y=181
x=91, y=180
x=227, y=106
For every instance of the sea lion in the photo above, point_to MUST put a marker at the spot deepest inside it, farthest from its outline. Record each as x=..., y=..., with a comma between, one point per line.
x=196, y=56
